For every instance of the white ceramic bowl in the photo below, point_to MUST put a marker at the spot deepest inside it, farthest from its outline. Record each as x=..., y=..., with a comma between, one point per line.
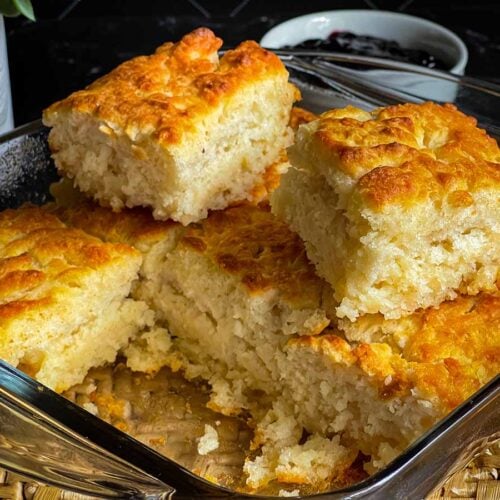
x=409, y=31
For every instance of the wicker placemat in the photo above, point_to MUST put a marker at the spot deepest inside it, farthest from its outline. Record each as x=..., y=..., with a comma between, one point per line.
x=169, y=414
x=477, y=481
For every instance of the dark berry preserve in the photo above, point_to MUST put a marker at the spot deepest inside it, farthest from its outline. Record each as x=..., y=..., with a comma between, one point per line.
x=350, y=43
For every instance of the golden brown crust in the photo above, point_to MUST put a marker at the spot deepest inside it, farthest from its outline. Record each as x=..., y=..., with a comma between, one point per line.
x=300, y=116
x=466, y=329
x=261, y=250
x=407, y=152
x=133, y=226
x=447, y=132
x=450, y=353
x=39, y=255
x=246, y=241
x=425, y=178
x=166, y=92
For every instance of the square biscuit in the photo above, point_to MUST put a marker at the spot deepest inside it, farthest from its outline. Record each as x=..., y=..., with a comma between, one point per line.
x=399, y=208
x=59, y=316
x=180, y=131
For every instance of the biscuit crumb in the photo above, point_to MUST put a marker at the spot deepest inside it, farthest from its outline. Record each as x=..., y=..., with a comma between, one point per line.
x=91, y=408
x=209, y=441
x=286, y=493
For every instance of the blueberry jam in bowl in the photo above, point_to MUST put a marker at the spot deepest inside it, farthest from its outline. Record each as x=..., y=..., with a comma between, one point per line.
x=392, y=35
x=364, y=45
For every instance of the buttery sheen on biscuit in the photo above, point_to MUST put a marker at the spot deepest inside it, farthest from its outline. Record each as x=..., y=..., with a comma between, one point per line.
x=399, y=208
x=180, y=131
x=63, y=305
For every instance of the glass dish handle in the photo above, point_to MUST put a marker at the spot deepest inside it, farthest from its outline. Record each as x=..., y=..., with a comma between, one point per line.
x=36, y=446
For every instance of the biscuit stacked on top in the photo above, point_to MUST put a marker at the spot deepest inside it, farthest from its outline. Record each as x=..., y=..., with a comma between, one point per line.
x=182, y=133
x=398, y=208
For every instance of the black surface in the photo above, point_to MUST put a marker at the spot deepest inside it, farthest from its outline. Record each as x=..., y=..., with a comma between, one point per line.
x=26, y=169
x=73, y=42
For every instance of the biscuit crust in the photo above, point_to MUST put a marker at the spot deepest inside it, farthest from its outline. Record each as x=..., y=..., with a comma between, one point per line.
x=55, y=300
x=250, y=243
x=246, y=242
x=404, y=154
x=39, y=254
x=357, y=141
x=167, y=92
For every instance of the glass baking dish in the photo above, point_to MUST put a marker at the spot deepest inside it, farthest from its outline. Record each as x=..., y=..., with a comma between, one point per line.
x=48, y=431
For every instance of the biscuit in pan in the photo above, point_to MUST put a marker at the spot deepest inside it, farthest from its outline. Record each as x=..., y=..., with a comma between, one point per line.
x=399, y=208
x=180, y=131
x=310, y=380
x=59, y=316
x=379, y=394
x=230, y=289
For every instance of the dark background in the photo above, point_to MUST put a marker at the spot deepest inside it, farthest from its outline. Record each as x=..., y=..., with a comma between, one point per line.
x=73, y=42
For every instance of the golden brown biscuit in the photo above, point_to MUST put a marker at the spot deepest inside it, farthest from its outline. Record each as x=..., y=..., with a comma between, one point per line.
x=380, y=394
x=59, y=316
x=179, y=131
x=232, y=290
x=248, y=314
x=399, y=209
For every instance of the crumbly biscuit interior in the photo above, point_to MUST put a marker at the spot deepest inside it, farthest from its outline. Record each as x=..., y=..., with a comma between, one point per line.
x=394, y=261
x=219, y=162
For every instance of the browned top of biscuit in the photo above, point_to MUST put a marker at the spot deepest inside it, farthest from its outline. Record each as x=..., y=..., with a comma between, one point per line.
x=466, y=329
x=246, y=241
x=251, y=243
x=166, y=92
x=404, y=152
x=134, y=226
x=41, y=259
x=450, y=352
x=426, y=178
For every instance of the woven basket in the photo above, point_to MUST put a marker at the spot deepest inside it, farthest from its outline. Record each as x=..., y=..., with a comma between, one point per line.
x=172, y=418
